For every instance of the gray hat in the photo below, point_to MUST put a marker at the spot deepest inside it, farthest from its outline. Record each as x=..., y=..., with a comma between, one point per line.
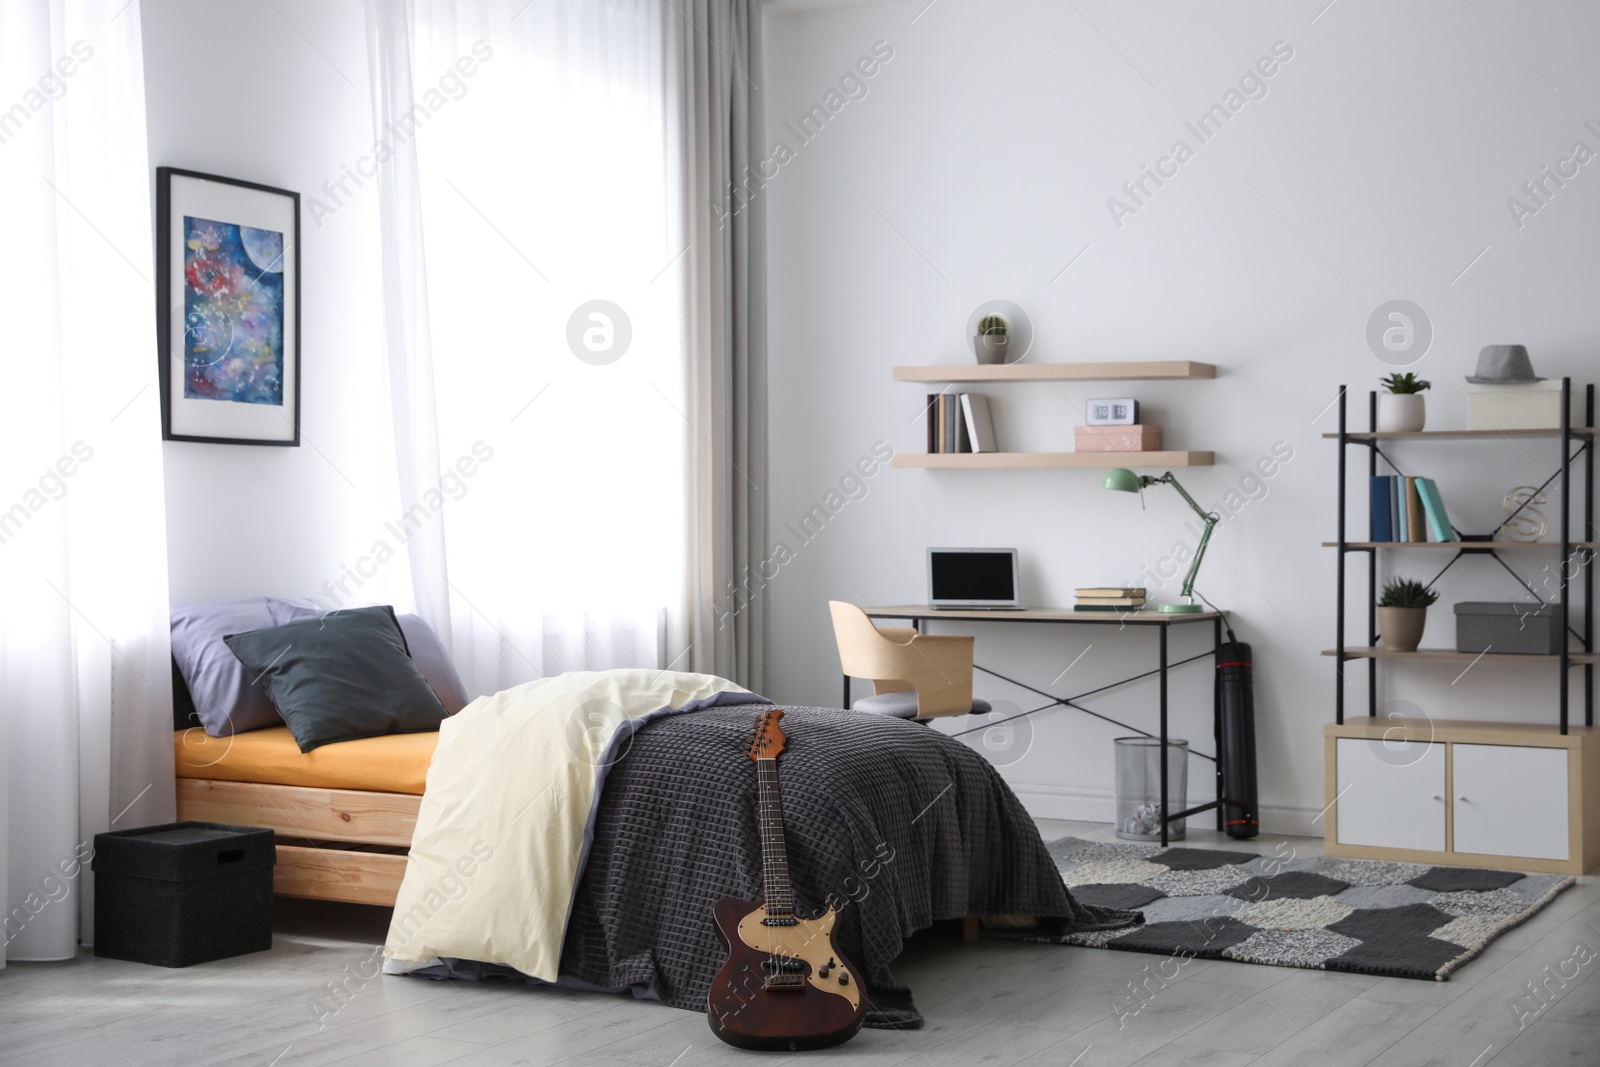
x=1503, y=364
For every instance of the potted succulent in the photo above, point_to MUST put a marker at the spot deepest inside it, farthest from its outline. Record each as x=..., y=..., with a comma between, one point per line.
x=992, y=340
x=1403, y=612
x=1401, y=408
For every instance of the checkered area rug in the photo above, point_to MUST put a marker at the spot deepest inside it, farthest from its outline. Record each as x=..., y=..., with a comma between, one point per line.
x=1406, y=920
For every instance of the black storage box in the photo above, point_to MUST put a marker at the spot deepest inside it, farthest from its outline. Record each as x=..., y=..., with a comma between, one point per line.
x=183, y=893
x=1530, y=628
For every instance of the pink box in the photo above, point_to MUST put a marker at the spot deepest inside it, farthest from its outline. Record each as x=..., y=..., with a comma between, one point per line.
x=1137, y=438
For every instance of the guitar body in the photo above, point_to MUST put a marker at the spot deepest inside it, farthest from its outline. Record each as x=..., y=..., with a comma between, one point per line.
x=781, y=987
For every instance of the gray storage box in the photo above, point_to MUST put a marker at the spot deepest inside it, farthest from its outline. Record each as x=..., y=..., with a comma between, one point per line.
x=1531, y=627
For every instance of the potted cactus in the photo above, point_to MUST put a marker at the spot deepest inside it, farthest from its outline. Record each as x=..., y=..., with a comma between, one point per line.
x=1403, y=612
x=1400, y=409
x=992, y=340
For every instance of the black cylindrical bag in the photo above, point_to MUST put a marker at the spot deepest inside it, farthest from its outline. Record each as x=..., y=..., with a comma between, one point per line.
x=1235, y=690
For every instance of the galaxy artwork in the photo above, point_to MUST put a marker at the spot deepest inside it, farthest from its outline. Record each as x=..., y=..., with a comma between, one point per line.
x=233, y=312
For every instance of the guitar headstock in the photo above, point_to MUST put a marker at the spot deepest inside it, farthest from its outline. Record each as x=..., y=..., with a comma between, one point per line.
x=767, y=739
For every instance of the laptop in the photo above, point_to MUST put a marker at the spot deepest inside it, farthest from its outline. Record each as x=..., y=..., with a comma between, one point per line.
x=984, y=578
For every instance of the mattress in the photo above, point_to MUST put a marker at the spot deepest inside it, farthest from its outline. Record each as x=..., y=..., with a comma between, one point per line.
x=392, y=763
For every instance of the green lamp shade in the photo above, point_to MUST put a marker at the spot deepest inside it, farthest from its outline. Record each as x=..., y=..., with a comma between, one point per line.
x=1123, y=480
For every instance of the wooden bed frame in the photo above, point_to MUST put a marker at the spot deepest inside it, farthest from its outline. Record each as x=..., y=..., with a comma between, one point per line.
x=344, y=844
x=337, y=826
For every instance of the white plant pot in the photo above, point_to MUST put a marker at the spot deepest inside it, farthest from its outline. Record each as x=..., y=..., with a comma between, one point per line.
x=1401, y=412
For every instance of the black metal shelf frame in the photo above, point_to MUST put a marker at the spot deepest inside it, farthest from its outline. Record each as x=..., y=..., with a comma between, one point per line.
x=1583, y=557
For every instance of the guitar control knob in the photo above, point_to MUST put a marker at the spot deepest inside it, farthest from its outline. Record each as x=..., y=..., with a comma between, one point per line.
x=823, y=971
x=844, y=977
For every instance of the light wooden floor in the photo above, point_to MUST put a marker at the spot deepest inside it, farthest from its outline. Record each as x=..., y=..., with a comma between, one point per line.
x=992, y=1003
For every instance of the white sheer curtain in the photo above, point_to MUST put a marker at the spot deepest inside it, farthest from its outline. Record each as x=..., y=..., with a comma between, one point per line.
x=85, y=691
x=541, y=137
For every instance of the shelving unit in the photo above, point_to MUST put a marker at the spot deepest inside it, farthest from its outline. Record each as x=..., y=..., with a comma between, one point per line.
x=1576, y=556
x=1141, y=371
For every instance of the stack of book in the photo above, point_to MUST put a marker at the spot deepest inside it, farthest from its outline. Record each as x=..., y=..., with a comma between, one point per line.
x=960, y=422
x=1408, y=509
x=1109, y=598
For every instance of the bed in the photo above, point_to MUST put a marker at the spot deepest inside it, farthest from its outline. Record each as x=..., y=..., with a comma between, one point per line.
x=896, y=826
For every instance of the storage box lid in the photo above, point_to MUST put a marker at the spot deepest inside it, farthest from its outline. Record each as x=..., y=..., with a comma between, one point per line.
x=1525, y=609
x=184, y=851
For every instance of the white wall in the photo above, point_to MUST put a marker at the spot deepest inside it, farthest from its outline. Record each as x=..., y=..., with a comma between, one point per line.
x=276, y=92
x=979, y=165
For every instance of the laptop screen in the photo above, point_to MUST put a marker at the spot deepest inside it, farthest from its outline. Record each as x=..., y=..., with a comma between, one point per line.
x=972, y=577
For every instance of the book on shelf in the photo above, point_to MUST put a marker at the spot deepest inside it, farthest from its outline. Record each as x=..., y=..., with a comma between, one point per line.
x=980, y=426
x=960, y=422
x=1381, y=528
x=1081, y=606
x=1416, y=525
x=1433, y=505
x=1110, y=602
x=1397, y=518
x=1108, y=590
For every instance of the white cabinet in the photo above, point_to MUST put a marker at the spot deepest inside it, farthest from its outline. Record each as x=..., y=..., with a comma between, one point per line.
x=1391, y=795
x=1510, y=800
x=1518, y=796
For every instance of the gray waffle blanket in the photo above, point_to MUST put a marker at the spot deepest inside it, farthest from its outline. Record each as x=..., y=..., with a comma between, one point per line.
x=895, y=824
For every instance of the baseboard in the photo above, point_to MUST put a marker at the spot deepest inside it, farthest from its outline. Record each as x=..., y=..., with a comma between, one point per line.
x=1099, y=805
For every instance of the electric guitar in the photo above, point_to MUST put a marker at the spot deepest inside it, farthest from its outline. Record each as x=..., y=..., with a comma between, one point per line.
x=784, y=985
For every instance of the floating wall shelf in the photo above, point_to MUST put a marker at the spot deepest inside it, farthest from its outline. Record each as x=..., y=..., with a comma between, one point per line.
x=1168, y=370
x=1103, y=460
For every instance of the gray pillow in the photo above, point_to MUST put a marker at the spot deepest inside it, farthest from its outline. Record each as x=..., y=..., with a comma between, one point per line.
x=341, y=676
x=426, y=651
x=225, y=699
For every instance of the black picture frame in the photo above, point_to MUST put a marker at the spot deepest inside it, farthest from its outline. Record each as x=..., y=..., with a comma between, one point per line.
x=172, y=337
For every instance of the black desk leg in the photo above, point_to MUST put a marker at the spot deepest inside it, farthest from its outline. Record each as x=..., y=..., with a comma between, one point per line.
x=846, y=704
x=1216, y=713
x=1162, y=632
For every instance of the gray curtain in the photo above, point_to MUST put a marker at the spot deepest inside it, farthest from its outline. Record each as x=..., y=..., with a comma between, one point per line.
x=719, y=47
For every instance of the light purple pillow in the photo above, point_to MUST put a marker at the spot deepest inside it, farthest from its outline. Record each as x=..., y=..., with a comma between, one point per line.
x=423, y=644
x=225, y=698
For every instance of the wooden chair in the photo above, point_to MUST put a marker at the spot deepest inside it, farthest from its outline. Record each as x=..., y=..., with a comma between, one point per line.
x=914, y=676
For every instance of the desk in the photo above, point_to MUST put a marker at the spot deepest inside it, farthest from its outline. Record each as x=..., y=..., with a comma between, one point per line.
x=918, y=614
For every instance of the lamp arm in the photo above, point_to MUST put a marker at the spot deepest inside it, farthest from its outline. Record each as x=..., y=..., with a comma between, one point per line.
x=1199, y=554
x=1202, y=512
x=1210, y=520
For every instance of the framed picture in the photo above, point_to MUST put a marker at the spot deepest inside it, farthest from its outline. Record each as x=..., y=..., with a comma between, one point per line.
x=1115, y=411
x=227, y=309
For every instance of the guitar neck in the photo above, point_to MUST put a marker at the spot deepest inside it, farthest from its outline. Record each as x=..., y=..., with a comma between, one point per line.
x=774, y=855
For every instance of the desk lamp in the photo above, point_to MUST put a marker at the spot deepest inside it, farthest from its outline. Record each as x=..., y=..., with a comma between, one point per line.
x=1124, y=480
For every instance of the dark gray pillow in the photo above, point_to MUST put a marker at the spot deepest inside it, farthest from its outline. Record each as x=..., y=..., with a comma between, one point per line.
x=341, y=676
x=423, y=644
